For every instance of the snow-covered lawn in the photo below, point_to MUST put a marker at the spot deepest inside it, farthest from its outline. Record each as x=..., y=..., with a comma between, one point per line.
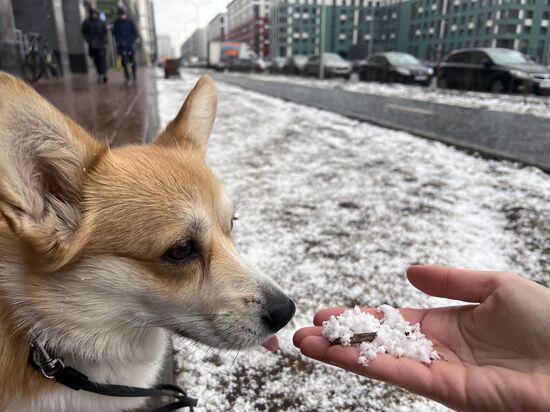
x=527, y=104
x=335, y=210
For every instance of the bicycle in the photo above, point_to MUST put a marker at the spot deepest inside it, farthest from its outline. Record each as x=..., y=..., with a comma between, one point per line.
x=39, y=60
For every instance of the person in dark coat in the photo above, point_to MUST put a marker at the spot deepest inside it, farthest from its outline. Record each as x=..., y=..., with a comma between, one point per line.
x=126, y=35
x=94, y=31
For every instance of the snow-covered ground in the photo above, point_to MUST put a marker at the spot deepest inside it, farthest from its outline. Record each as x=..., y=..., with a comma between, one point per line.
x=527, y=104
x=335, y=210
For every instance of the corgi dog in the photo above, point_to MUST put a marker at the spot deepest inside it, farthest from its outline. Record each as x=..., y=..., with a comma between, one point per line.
x=106, y=252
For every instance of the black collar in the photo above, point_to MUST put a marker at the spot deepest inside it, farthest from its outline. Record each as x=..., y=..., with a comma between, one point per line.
x=54, y=368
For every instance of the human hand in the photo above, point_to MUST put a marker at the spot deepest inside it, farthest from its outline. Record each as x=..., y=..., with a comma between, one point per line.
x=495, y=354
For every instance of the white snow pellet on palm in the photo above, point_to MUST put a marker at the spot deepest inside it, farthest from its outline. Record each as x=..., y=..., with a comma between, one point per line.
x=394, y=335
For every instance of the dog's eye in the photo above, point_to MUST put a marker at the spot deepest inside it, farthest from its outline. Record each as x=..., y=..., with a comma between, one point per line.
x=233, y=219
x=180, y=252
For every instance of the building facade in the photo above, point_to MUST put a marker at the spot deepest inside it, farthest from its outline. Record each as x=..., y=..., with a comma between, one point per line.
x=426, y=28
x=164, y=47
x=217, y=28
x=57, y=21
x=349, y=26
x=437, y=27
x=147, y=30
x=195, y=46
x=248, y=22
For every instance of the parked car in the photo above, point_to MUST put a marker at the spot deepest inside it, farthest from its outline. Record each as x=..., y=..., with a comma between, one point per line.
x=295, y=64
x=493, y=69
x=393, y=67
x=245, y=65
x=334, y=66
x=430, y=65
x=277, y=65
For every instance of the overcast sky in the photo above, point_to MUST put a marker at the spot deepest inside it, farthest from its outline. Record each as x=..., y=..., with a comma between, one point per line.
x=178, y=18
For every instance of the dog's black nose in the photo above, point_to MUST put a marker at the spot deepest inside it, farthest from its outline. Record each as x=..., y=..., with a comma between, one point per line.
x=280, y=311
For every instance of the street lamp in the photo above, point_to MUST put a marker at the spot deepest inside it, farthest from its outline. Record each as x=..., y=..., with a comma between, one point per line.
x=322, y=42
x=371, y=33
x=197, y=4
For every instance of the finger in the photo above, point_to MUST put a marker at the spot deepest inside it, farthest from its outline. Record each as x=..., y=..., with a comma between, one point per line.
x=303, y=333
x=452, y=283
x=414, y=376
x=404, y=372
x=431, y=381
x=399, y=371
x=315, y=347
x=325, y=314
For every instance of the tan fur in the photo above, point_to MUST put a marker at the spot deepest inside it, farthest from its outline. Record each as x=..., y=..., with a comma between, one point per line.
x=83, y=235
x=16, y=379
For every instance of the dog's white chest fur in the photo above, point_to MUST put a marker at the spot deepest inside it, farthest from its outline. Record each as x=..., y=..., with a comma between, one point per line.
x=141, y=372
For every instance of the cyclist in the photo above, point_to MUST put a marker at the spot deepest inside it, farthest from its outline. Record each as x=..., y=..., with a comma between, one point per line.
x=94, y=31
x=126, y=35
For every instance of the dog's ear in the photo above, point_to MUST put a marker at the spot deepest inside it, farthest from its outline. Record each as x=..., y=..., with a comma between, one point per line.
x=44, y=158
x=195, y=120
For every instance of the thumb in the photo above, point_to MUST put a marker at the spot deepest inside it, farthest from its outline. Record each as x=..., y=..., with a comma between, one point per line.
x=452, y=283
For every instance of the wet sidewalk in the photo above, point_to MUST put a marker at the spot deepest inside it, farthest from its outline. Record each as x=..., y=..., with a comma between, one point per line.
x=112, y=112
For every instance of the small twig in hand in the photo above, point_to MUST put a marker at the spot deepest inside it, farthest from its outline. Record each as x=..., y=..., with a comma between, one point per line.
x=358, y=338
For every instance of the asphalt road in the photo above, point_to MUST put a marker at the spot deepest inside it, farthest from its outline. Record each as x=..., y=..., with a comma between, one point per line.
x=519, y=137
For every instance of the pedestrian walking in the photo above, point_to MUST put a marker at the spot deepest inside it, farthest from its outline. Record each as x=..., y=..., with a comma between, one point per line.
x=126, y=35
x=94, y=31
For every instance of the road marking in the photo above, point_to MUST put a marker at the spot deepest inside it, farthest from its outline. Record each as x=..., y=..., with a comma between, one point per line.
x=410, y=109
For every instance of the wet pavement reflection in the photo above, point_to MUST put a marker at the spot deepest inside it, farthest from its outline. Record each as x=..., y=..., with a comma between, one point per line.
x=112, y=112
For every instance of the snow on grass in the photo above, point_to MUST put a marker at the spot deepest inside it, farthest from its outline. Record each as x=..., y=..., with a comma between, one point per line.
x=526, y=104
x=335, y=210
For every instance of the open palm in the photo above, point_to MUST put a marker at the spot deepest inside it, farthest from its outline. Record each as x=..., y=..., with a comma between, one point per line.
x=495, y=353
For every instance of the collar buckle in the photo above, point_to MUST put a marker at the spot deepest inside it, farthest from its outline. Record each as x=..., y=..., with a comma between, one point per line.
x=41, y=359
x=52, y=368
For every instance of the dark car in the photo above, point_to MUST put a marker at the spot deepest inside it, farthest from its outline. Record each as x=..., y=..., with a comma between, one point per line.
x=395, y=67
x=493, y=69
x=430, y=65
x=245, y=65
x=334, y=66
x=295, y=64
x=277, y=65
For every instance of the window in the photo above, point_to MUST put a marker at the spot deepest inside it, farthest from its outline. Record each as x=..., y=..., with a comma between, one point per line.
x=377, y=60
x=505, y=43
x=509, y=14
x=477, y=57
x=524, y=46
x=507, y=57
x=507, y=28
x=458, y=57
